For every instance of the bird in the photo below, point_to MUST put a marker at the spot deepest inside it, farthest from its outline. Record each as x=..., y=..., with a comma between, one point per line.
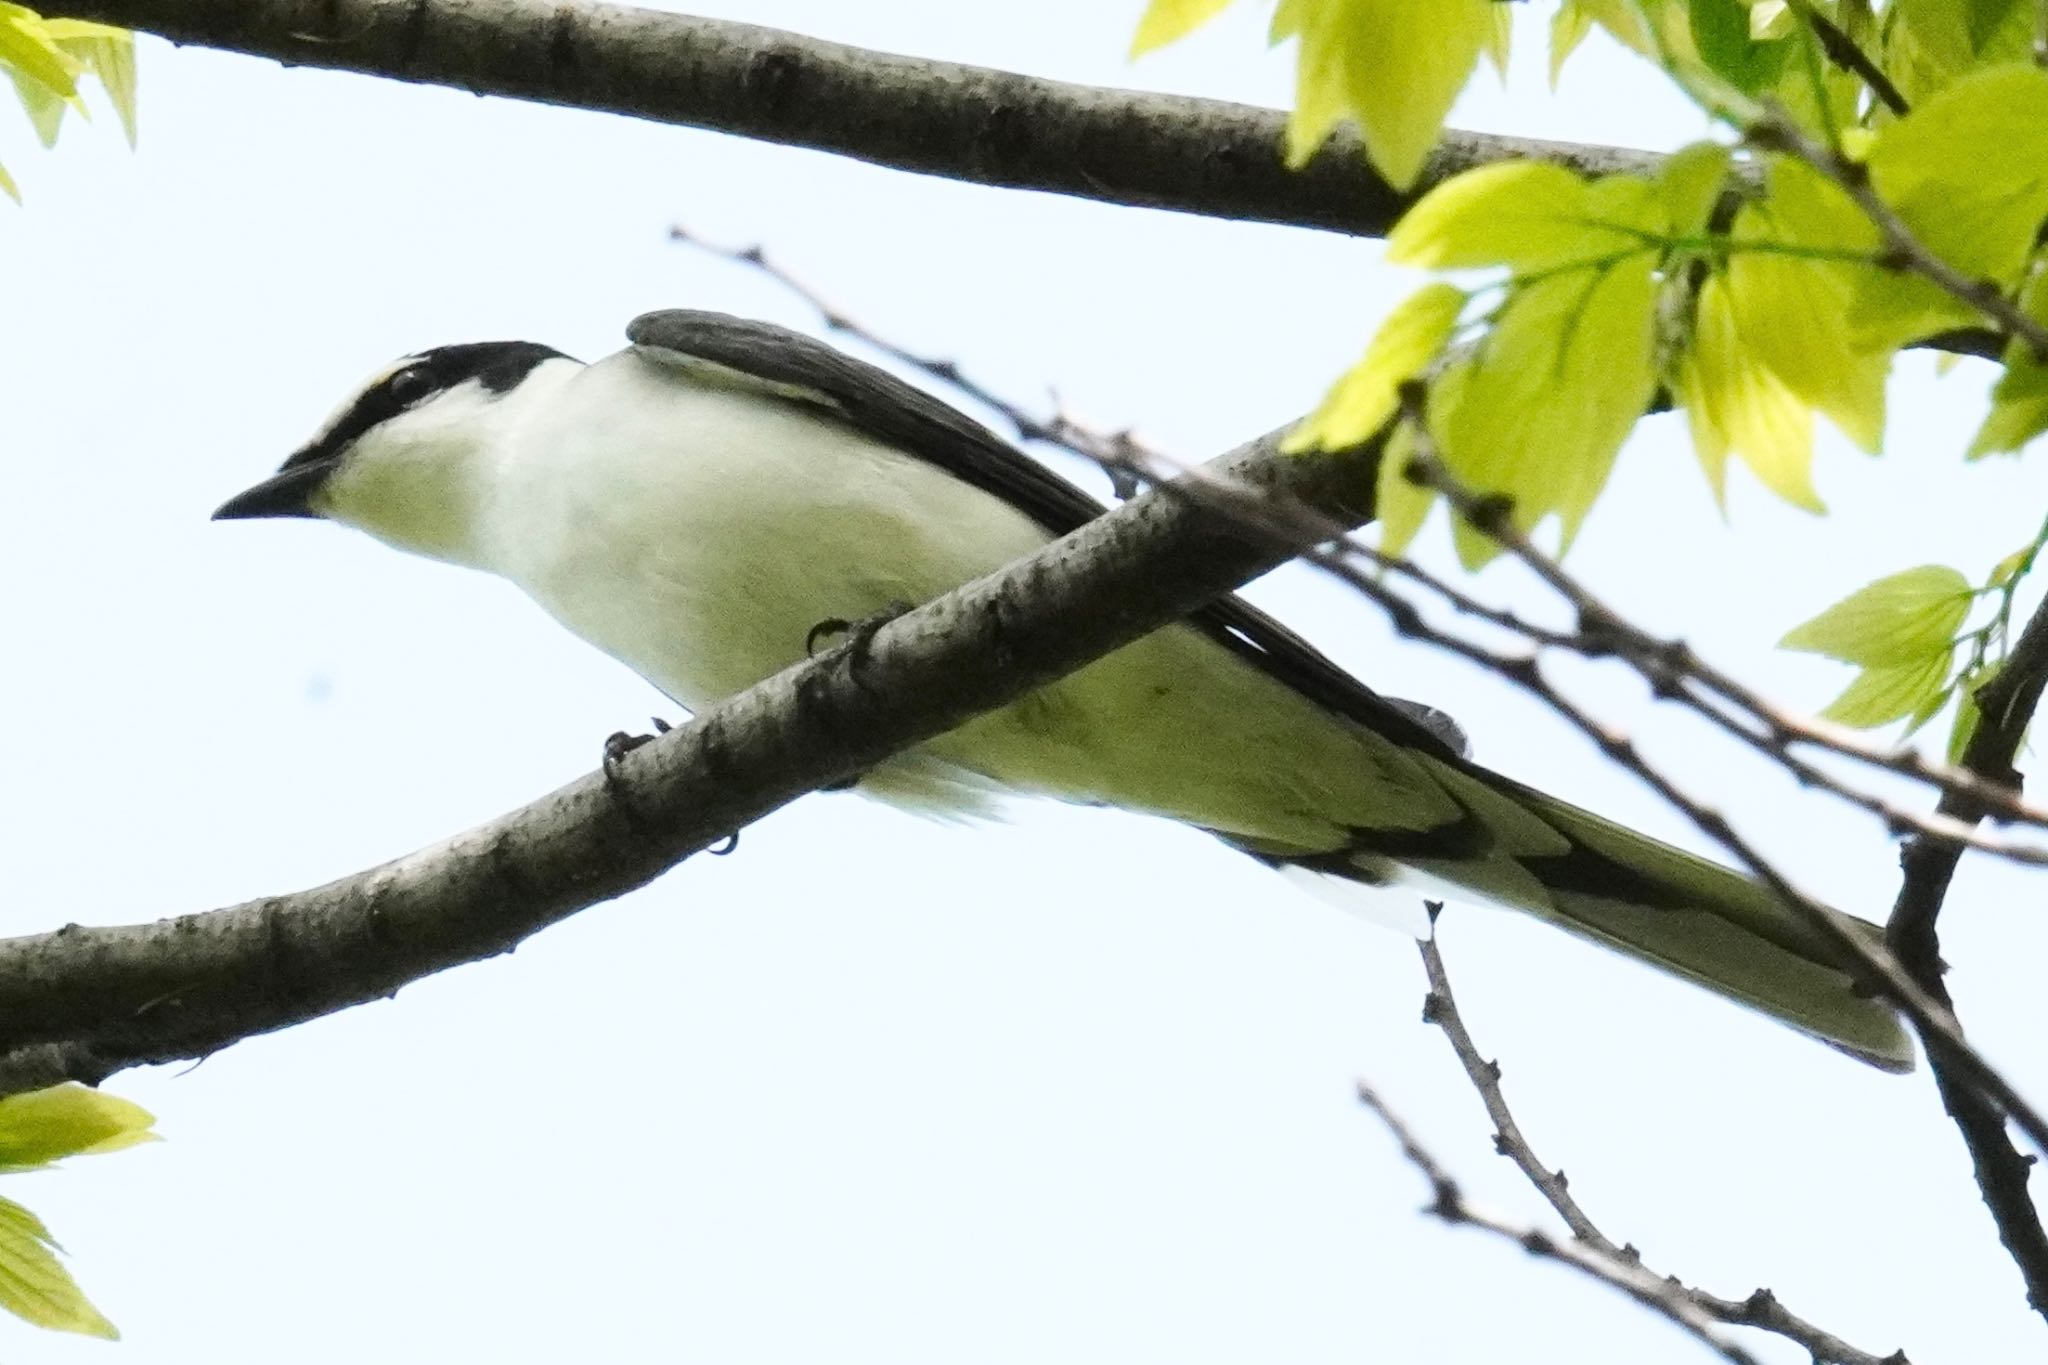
x=698, y=503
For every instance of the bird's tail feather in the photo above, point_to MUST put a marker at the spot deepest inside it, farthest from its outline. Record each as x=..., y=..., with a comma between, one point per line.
x=1683, y=913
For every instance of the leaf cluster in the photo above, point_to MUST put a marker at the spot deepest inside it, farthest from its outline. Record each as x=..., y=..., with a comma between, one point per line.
x=37, y=1129
x=46, y=59
x=1884, y=180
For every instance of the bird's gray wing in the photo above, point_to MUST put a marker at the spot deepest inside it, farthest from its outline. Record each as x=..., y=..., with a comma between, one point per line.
x=779, y=361
x=1514, y=845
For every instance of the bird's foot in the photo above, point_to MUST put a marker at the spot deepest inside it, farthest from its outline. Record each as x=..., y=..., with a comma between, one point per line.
x=859, y=635
x=618, y=744
x=616, y=747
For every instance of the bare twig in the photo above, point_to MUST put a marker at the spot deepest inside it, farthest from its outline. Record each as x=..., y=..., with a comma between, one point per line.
x=1931, y=1016
x=1760, y=1310
x=1448, y=1202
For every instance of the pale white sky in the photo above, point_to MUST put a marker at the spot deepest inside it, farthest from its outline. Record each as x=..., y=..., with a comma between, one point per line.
x=1074, y=1088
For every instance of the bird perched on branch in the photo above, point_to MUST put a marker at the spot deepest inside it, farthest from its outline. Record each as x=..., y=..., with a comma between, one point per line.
x=697, y=503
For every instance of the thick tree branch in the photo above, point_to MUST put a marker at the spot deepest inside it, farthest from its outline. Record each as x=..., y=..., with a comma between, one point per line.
x=2006, y=705
x=85, y=1002
x=938, y=118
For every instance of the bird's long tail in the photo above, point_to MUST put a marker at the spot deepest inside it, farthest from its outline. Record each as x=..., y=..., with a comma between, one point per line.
x=1655, y=902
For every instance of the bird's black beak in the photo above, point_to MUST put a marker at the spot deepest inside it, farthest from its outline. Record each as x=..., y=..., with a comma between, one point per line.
x=287, y=493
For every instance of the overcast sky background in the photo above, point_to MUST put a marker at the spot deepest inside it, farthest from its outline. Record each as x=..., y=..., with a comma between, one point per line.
x=1078, y=1087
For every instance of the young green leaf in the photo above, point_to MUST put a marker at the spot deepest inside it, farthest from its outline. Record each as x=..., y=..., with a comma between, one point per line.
x=1399, y=504
x=1500, y=40
x=1394, y=65
x=2019, y=400
x=26, y=47
x=1879, y=696
x=1926, y=44
x=1556, y=387
x=1169, y=21
x=1899, y=621
x=1968, y=169
x=1568, y=28
x=44, y=107
x=1691, y=182
x=1733, y=402
x=34, y=1285
x=1789, y=306
x=1525, y=214
x=1968, y=715
x=42, y=1126
x=1362, y=400
x=109, y=53
x=1721, y=31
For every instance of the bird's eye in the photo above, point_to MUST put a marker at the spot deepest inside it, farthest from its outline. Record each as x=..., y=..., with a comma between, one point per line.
x=410, y=385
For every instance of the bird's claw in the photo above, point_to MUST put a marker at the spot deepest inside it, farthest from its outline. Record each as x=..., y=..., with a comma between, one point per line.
x=618, y=744
x=859, y=634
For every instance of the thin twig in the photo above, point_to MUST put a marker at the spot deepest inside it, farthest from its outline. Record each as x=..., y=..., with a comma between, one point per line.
x=1932, y=1017
x=1448, y=1202
x=1760, y=1310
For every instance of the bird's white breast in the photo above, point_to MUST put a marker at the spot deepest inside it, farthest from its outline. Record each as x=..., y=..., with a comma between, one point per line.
x=697, y=532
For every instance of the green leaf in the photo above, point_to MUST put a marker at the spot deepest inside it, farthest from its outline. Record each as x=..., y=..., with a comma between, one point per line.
x=1500, y=40
x=1928, y=709
x=26, y=47
x=1968, y=170
x=1789, y=308
x=1169, y=21
x=1879, y=696
x=110, y=54
x=8, y=187
x=1733, y=402
x=41, y=1126
x=1394, y=65
x=1968, y=716
x=2019, y=400
x=45, y=108
x=1926, y=44
x=1899, y=621
x=1540, y=412
x=1399, y=505
x=1721, y=33
x=1529, y=215
x=1691, y=182
x=2007, y=569
x=34, y=1285
x=1568, y=28
x=1362, y=400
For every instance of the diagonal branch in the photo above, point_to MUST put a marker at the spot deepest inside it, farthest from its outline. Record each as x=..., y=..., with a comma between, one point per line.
x=2006, y=706
x=938, y=118
x=82, y=1003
